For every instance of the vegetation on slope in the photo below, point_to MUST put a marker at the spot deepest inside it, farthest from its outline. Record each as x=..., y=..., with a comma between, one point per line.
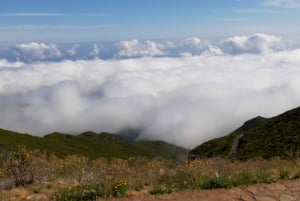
x=261, y=137
x=161, y=148
x=88, y=144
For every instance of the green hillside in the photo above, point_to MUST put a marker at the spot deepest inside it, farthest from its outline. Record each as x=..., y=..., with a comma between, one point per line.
x=258, y=137
x=161, y=148
x=89, y=144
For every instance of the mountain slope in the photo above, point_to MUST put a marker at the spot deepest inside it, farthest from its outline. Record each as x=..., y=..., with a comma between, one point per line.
x=258, y=137
x=161, y=148
x=88, y=144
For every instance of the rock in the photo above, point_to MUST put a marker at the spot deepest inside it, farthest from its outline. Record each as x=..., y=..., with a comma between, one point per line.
x=36, y=197
x=286, y=197
x=252, y=190
x=162, y=172
x=264, y=198
x=246, y=198
x=278, y=187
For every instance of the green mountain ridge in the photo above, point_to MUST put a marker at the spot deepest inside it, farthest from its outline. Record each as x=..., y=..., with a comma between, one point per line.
x=89, y=144
x=258, y=137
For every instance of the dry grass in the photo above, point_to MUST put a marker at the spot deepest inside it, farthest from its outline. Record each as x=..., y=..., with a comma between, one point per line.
x=51, y=175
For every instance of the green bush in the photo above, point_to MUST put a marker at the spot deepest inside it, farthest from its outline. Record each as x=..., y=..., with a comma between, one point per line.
x=182, y=181
x=243, y=179
x=216, y=182
x=160, y=190
x=264, y=177
x=93, y=191
x=284, y=174
x=120, y=189
x=87, y=192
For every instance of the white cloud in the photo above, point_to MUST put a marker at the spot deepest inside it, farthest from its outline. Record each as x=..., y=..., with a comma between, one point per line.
x=37, y=51
x=282, y=3
x=95, y=51
x=134, y=48
x=185, y=100
x=196, y=46
x=254, y=44
x=263, y=11
x=212, y=51
x=5, y=64
x=32, y=14
x=73, y=49
x=193, y=42
x=193, y=46
x=188, y=47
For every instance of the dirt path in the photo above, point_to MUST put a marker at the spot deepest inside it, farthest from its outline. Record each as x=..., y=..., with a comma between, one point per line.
x=282, y=191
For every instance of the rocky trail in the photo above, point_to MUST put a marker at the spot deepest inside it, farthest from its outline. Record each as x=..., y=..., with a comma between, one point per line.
x=282, y=191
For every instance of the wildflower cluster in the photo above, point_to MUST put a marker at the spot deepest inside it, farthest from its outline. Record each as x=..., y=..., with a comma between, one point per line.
x=81, y=193
x=75, y=166
x=26, y=166
x=120, y=188
x=78, y=178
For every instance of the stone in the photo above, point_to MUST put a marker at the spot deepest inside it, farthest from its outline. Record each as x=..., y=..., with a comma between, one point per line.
x=36, y=197
x=278, y=187
x=264, y=198
x=286, y=197
x=252, y=190
x=246, y=198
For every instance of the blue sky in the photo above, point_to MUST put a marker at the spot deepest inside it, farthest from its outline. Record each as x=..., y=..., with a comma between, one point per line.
x=101, y=20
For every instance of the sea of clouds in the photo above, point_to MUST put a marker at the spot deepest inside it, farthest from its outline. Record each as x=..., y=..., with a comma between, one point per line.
x=185, y=92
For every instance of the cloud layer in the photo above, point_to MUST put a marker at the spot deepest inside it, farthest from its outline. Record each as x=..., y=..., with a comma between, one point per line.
x=37, y=51
x=135, y=48
x=193, y=46
x=184, y=100
x=282, y=3
x=253, y=44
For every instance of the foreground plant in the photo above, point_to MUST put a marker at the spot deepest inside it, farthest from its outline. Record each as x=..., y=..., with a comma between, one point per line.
x=23, y=165
x=92, y=191
x=83, y=192
x=78, y=178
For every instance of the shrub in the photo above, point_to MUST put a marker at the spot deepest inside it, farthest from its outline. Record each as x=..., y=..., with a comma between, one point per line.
x=264, y=177
x=243, y=179
x=92, y=191
x=160, y=190
x=21, y=166
x=182, y=181
x=284, y=174
x=216, y=181
x=86, y=192
x=120, y=188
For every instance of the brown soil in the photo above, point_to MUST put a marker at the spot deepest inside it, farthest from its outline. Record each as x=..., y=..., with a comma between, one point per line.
x=282, y=191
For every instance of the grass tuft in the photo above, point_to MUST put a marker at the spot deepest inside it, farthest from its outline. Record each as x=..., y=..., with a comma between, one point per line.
x=78, y=178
